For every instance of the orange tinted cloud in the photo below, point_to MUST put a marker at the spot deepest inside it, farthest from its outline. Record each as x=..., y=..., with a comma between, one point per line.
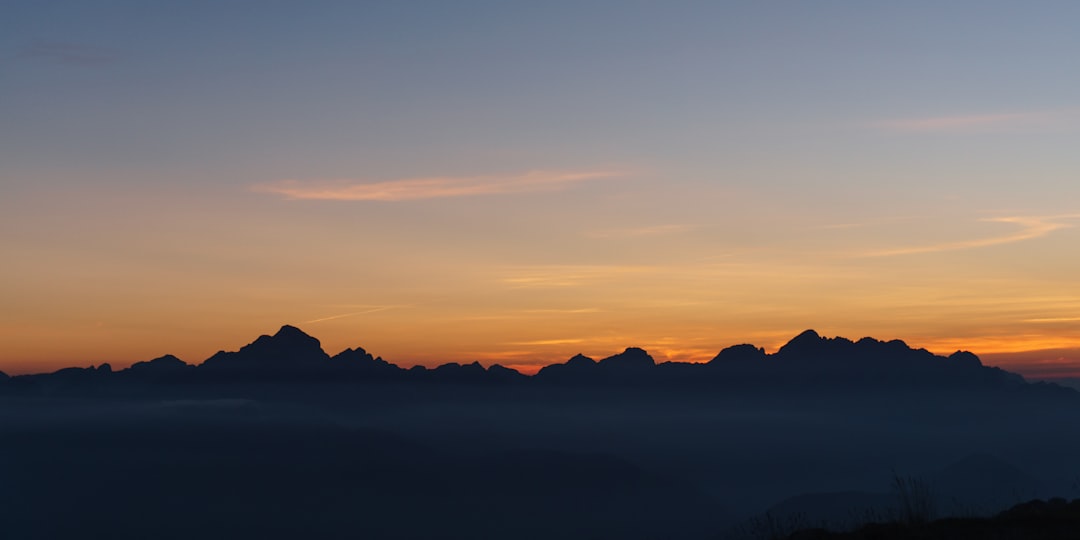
x=428, y=188
x=570, y=275
x=1030, y=228
x=1042, y=363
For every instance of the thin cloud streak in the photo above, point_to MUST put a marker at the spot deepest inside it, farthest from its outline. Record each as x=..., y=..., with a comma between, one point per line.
x=1031, y=228
x=352, y=314
x=428, y=188
x=568, y=275
x=982, y=123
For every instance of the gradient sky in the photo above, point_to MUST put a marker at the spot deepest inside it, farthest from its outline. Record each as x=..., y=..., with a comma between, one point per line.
x=517, y=182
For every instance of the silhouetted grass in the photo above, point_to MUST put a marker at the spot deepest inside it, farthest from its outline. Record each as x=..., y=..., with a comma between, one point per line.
x=1056, y=519
x=915, y=499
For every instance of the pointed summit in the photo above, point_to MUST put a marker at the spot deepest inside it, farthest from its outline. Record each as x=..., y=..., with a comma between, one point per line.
x=288, y=331
x=288, y=345
x=807, y=336
x=294, y=336
x=290, y=349
x=580, y=360
x=808, y=342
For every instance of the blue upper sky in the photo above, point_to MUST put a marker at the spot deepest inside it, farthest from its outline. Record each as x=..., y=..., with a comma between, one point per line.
x=192, y=143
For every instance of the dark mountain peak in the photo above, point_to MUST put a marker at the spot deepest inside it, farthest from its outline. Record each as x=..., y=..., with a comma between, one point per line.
x=633, y=358
x=360, y=363
x=505, y=373
x=580, y=360
x=577, y=368
x=161, y=364
x=808, y=343
x=292, y=337
x=354, y=355
x=288, y=331
x=893, y=349
x=289, y=337
x=289, y=349
x=743, y=353
x=965, y=359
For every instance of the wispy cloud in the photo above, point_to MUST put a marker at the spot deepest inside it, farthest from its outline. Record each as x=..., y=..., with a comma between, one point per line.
x=1053, y=320
x=1030, y=228
x=1038, y=363
x=428, y=188
x=642, y=232
x=977, y=123
x=351, y=314
x=568, y=275
x=68, y=54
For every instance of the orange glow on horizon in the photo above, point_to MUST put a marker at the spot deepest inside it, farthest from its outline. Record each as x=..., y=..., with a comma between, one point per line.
x=1036, y=354
x=421, y=282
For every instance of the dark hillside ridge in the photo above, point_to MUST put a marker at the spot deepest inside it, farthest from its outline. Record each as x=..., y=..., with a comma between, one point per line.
x=808, y=361
x=1055, y=519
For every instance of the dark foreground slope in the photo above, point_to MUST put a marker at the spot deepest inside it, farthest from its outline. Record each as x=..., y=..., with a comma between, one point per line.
x=1056, y=519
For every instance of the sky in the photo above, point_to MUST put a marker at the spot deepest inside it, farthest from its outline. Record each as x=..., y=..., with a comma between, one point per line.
x=517, y=182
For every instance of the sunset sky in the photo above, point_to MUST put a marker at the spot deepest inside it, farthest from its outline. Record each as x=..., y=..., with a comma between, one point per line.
x=518, y=182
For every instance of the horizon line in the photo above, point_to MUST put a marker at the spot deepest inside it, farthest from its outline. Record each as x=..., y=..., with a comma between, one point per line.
x=487, y=360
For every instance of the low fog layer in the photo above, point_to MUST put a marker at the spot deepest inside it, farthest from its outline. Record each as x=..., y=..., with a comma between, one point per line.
x=619, y=448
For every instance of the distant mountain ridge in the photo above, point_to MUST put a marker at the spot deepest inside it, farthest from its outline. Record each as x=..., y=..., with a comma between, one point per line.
x=808, y=360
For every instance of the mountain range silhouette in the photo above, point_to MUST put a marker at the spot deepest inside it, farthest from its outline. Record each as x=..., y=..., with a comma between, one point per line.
x=807, y=361
x=279, y=439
